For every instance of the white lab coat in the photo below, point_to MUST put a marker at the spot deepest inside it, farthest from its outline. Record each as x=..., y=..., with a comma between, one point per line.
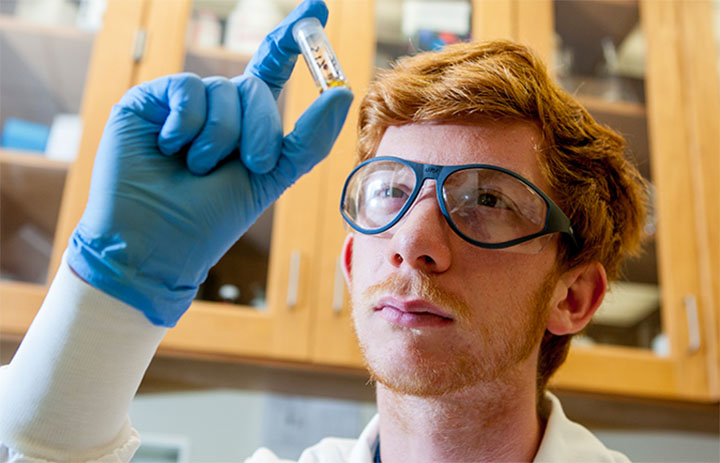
x=66, y=394
x=563, y=441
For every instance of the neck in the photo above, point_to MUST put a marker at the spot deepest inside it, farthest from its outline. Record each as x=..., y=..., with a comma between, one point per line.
x=495, y=421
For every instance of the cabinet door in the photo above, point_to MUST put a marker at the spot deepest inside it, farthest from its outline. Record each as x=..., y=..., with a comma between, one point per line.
x=640, y=67
x=700, y=26
x=63, y=68
x=625, y=62
x=711, y=167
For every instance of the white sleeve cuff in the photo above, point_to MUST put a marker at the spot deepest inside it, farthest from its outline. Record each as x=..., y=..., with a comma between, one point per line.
x=67, y=391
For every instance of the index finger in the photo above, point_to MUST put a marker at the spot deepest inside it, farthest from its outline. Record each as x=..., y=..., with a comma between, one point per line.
x=275, y=58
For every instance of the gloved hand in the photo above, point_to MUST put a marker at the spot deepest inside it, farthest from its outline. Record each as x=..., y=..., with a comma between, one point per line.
x=186, y=165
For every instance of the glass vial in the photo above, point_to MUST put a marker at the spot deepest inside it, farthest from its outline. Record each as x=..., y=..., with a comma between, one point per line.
x=319, y=55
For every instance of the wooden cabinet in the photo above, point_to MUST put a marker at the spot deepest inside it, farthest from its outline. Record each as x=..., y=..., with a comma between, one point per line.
x=670, y=116
x=301, y=317
x=681, y=158
x=144, y=39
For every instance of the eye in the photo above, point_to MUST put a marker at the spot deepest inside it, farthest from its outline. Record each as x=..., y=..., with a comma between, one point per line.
x=493, y=199
x=381, y=189
x=390, y=192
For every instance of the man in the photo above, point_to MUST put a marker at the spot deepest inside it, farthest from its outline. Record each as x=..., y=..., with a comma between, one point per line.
x=467, y=278
x=463, y=308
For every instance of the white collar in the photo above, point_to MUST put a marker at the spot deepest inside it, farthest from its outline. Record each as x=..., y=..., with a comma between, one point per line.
x=563, y=440
x=364, y=449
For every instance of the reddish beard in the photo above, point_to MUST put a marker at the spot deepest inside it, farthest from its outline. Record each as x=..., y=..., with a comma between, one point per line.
x=421, y=374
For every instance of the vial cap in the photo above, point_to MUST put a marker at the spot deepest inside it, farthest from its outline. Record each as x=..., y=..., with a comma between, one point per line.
x=306, y=27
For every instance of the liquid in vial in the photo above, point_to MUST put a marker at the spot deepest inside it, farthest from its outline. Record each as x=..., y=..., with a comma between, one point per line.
x=319, y=55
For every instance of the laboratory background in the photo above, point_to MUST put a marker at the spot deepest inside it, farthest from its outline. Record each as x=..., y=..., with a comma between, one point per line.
x=266, y=355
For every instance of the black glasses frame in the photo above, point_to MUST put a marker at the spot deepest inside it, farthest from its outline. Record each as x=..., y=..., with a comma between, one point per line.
x=555, y=219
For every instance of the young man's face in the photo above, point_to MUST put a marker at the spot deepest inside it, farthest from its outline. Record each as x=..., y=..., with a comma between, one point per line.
x=434, y=313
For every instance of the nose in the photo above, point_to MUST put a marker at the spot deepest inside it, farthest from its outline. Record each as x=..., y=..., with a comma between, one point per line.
x=421, y=239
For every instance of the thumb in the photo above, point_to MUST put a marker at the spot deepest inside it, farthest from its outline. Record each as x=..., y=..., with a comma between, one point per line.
x=314, y=134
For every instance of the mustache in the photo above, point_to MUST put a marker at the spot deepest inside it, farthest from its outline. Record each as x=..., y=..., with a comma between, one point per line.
x=420, y=286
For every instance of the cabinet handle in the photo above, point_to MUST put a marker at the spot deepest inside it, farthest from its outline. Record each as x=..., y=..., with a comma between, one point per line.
x=293, y=279
x=693, y=323
x=338, y=288
x=138, y=48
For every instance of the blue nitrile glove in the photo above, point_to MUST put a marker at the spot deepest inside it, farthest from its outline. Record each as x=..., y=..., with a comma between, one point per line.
x=170, y=194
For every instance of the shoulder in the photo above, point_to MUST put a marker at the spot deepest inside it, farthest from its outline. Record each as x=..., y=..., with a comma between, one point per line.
x=565, y=440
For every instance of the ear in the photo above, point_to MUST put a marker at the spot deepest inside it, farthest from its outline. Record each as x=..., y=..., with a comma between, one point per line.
x=579, y=293
x=346, y=258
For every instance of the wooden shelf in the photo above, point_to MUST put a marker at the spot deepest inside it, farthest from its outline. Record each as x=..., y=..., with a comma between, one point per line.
x=31, y=159
x=630, y=120
x=220, y=53
x=620, y=108
x=20, y=302
x=14, y=24
x=217, y=61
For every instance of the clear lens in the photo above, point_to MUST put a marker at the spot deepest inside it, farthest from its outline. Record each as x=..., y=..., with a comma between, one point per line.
x=485, y=205
x=377, y=192
x=491, y=206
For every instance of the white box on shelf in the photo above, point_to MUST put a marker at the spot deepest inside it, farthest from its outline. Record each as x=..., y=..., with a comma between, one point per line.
x=64, y=139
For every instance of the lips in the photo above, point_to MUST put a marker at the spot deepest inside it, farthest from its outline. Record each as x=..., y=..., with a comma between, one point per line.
x=413, y=313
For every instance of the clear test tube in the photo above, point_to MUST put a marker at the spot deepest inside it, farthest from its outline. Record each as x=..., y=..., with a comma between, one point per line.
x=319, y=55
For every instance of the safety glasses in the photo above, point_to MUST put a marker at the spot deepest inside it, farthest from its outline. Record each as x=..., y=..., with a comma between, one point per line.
x=486, y=205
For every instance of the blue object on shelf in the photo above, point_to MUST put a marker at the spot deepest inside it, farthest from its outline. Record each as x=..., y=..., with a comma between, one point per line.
x=24, y=135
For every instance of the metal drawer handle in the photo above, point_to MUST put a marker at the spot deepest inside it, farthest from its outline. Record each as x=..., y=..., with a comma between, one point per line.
x=293, y=279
